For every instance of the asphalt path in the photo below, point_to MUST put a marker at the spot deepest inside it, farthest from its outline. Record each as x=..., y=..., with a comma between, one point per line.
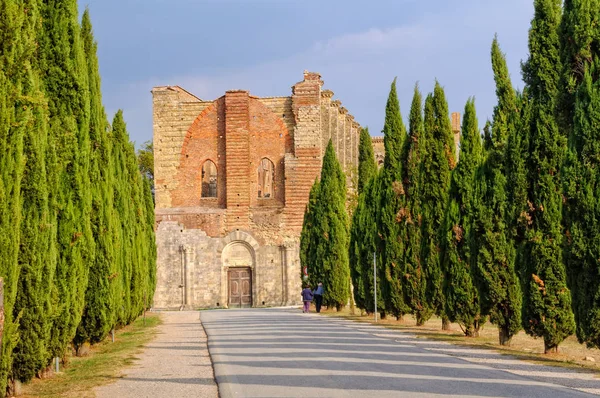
x=285, y=353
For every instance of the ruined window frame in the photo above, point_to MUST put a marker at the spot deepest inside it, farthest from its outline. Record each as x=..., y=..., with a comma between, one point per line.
x=210, y=191
x=261, y=182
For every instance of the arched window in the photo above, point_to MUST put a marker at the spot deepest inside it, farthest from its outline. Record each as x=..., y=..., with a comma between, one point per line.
x=266, y=175
x=209, y=180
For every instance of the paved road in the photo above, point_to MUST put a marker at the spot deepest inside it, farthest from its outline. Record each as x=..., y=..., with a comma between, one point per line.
x=175, y=364
x=284, y=353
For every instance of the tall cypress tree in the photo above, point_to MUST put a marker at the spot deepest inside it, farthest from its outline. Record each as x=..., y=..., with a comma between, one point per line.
x=66, y=86
x=37, y=255
x=360, y=250
x=412, y=161
x=16, y=120
x=124, y=208
x=546, y=298
x=325, y=237
x=392, y=200
x=582, y=210
x=100, y=301
x=579, y=107
x=437, y=166
x=308, y=240
x=356, y=250
x=499, y=285
x=149, y=241
x=332, y=249
x=458, y=248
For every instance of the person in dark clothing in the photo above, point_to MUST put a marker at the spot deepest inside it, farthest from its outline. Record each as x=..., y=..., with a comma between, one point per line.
x=318, y=295
x=307, y=297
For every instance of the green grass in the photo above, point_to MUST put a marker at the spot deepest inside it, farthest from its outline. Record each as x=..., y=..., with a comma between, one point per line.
x=103, y=365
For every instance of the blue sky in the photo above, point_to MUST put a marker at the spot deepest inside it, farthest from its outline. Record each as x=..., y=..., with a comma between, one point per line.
x=210, y=46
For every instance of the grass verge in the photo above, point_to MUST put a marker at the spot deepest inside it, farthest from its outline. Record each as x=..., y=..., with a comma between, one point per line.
x=571, y=354
x=102, y=366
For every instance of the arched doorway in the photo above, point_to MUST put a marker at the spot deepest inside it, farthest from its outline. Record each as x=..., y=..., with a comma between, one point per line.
x=238, y=261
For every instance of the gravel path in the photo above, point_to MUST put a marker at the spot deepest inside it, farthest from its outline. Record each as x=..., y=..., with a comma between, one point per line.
x=175, y=364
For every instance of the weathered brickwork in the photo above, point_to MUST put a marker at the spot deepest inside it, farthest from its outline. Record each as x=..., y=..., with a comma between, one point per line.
x=199, y=238
x=379, y=150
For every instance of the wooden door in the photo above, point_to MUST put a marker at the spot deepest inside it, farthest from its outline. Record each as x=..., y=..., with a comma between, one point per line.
x=240, y=287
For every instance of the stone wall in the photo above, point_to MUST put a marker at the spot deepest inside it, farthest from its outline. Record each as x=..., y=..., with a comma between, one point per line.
x=379, y=150
x=192, y=268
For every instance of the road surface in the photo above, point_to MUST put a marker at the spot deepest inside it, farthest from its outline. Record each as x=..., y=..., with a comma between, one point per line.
x=285, y=353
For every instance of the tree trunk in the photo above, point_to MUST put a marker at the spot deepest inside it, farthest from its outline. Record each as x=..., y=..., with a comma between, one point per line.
x=550, y=348
x=420, y=319
x=382, y=315
x=445, y=323
x=503, y=336
x=470, y=331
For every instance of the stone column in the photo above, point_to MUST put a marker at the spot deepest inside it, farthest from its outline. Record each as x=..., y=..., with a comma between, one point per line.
x=326, y=96
x=292, y=275
x=356, y=144
x=348, y=141
x=237, y=148
x=456, y=133
x=334, y=111
x=342, y=121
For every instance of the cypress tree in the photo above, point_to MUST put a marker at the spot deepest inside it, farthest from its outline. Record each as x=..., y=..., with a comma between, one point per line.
x=333, y=248
x=37, y=254
x=360, y=250
x=414, y=153
x=458, y=249
x=135, y=250
x=308, y=240
x=579, y=49
x=582, y=210
x=501, y=295
x=356, y=250
x=437, y=166
x=16, y=120
x=516, y=174
x=366, y=160
x=139, y=266
x=100, y=301
x=364, y=238
x=546, y=298
x=392, y=200
x=580, y=109
x=325, y=249
x=149, y=241
x=124, y=208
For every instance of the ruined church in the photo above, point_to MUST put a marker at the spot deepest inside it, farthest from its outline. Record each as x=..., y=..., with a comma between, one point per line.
x=232, y=179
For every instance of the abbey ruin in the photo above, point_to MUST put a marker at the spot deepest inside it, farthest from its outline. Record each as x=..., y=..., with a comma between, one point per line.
x=232, y=178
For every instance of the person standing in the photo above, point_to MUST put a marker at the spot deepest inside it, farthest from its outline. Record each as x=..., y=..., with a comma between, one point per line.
x=318, y=295
x=307, y=297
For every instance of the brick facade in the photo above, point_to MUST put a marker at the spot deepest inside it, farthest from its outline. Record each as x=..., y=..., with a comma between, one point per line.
x=200, y=238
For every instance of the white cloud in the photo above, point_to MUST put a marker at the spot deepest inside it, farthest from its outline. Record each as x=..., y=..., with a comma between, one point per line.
x=360, y=66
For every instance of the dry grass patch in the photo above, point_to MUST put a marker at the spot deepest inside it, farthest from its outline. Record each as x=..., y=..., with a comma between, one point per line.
x=102, y=366
x=571, y=354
